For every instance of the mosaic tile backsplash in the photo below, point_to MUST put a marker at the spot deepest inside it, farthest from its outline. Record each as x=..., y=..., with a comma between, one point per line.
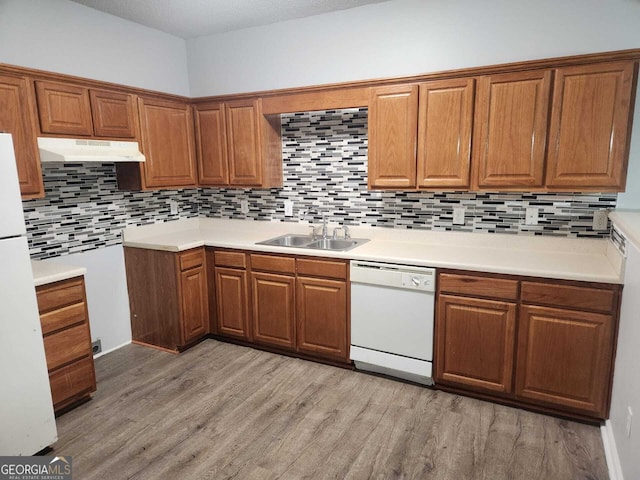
x=325, y=172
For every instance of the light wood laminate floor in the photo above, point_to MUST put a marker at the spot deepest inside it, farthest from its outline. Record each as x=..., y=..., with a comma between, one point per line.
x=222, y=411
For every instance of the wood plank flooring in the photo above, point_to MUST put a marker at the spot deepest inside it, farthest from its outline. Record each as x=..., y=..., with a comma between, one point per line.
x=221, y=411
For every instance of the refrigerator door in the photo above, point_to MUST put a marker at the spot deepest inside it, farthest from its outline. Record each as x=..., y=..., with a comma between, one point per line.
x=11, y=215
x=26, y=410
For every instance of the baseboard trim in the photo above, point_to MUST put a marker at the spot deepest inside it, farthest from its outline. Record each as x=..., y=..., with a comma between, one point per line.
x=104, y=352
x=611, y=452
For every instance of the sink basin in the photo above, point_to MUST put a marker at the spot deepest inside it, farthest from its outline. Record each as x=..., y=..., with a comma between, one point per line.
x=308, y=241
x=289, y=240
x=336, y=244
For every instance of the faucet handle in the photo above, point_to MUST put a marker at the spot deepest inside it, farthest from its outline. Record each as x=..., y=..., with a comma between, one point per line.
x=344, y=228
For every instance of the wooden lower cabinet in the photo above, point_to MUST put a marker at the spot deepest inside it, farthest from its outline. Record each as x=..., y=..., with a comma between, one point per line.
x=168, y=297
x=476, y=343
x=273, y=298
x=322, y=317
x=543, y=344
x=564, y=358
x=233, y=306
x=67, y=341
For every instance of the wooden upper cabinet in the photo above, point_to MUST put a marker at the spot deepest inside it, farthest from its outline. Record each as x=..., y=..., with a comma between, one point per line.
x=245, y=167
x=114, y=114
x=64, y=108
x=444, y=133
x=213, y=166
x=17, y=118
x=168, y=143
x=393, y=130
x=510, y=130
x=590, y=126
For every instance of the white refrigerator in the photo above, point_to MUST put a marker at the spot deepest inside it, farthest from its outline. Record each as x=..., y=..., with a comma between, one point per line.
x=27, y=422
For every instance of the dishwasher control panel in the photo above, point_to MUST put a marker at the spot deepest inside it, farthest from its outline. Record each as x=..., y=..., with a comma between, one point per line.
x=418, y=281
x=408, y=277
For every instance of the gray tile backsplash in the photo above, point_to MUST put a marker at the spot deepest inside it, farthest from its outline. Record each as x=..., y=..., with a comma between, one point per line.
x=325, y=172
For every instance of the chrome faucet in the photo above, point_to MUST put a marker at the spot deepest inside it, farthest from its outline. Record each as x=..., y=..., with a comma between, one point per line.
x=314, y=229
x=344, y=228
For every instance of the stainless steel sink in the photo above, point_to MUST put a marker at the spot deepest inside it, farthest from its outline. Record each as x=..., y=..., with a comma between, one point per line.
x=309, y=241
x=289, y=240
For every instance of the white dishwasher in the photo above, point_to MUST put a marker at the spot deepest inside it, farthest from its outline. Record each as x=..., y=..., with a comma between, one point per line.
x=392, y=310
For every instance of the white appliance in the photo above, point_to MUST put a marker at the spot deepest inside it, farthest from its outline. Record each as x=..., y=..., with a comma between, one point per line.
x=27, y=422
x=83, y=150
x=392, y=311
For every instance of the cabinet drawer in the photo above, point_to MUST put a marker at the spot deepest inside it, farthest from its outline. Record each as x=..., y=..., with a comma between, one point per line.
x=580, y=298
x=191, y=259
x=60, y=294
x=230, y=259
x=478, y=286
x=272, y=263
x=63, y=317
x=74, y=379
x=322, y=268
x=67, y=346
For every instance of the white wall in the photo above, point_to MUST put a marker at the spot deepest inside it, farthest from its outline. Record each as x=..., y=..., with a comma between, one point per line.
x=405, y=37
x=626, y=380
x=65, y=37
x=107, y=295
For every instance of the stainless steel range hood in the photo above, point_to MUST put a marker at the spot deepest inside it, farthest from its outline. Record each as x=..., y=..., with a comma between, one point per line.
x=80, y=151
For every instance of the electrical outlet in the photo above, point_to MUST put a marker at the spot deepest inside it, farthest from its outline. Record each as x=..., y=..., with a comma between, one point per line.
x=244, y=206
x=173, y=206
x=288, y=208
x=458, y=215
x=531, y=216
x=600, y=219
x=629, y=418
x=96, y=347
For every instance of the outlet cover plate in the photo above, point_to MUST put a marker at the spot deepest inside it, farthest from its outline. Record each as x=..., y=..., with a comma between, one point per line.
x=531, y=216
x=600, y=219
x=244, y=206
x=458, y=215
x=288, y=208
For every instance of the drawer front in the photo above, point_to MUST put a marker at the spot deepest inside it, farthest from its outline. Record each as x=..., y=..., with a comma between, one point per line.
x=191, y=259
x=322, y=268
x=67, y=346
x=72, y=380
x=580, y=298
x=272, y=263
x=478, y=286
x=223, y=258
x=60, y=294
x=63, y=317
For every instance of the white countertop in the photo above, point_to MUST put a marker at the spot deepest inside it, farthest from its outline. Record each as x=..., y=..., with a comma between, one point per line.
x=45, y=272
x=593, y=260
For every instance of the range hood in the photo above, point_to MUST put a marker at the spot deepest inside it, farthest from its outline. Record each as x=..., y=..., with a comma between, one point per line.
x=79, y=151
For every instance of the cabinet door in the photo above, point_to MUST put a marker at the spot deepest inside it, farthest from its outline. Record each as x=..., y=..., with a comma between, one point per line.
x=564, y=358
x=243, y=136
x=16, y=118
x=233, y=309
x=113, y=114
x=322, y=317
x=444, y=133
x=393, y=130
x=510, y=128
x=64, y=109
x=273, y=299
x=195, y=317
x=213, y=168
x=590, y=126
x=475, y=343
x=168, y=143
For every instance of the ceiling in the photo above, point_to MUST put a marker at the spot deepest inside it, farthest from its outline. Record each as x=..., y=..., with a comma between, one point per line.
x=195, y=18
